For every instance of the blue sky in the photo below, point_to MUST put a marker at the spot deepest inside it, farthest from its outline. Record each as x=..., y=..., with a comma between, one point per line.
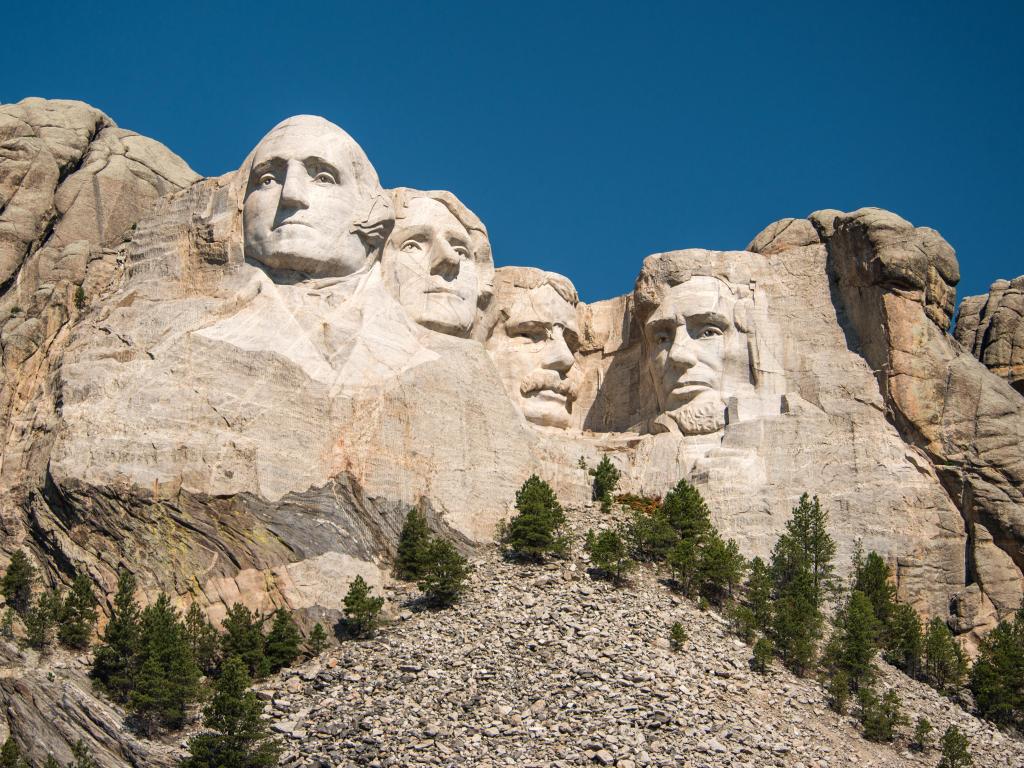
x=586, y=135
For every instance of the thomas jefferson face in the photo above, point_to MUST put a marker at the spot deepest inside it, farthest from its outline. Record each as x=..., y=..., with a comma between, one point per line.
x=429, y=267
x=688, y=339
x=303, y=198
x=533, y=351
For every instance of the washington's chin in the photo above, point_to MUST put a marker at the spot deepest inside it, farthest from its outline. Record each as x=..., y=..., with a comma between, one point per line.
x=547, y=408
x=452, y=315
x=301, y=248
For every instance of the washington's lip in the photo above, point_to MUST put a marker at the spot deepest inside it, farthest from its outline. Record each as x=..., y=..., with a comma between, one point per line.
x=290, y=222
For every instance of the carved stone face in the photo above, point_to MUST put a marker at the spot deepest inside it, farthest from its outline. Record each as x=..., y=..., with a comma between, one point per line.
x=303, y=199
x=428, y=266
x=688, y=341
x=533, y=351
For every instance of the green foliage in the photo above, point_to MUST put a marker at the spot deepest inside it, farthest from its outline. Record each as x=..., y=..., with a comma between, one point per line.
x=167, y=681
x=684, y=561
x=7, y=624
x=362, y=610
x=997, y=678
x=677, y=636
x=412, y=546
x=79, y=298
x=759, y=593
x=283, y=640
x=743, y=623
x=922, y=738
x=856, y=634
x=839, y=691
x=879, y=718
x=945, y=665
x=904, y=641
x=114, y=662
x=10, y=755
x=202, y=638
x=650, y=535
x=51, y=762
x=806, y=548
x=446, y=573
x=536, y=530
x=606, y=479
x=243, y=638
x=954, y=749
x=317, y=639
x=235, y=735
x=796, y=626
x=78, y=614
x=609, y=554
x=871, y=577
x=686, y=512
x=764, y=649
x=17, y=583
x=41, y=620
x=720, y=567
x=82, y=757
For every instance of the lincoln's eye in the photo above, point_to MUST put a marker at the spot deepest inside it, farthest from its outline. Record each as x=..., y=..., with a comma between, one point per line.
x=325, y=178
x=709, y=332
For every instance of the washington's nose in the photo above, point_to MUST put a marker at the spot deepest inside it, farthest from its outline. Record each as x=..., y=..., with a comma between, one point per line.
x=558, y=355
x=444, y=260
x=683, y=352
x=295, y=192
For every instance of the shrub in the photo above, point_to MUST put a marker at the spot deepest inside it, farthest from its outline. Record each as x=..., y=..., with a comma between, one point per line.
x=235, y=734
x=536, y=530
x=361, y=610
x=243, y=638
x=41, y=620
x=609, y=554
x=922, y=737
x=202, y=638
x=412, y=546
x=445, y=574
x=686, y=512
x=282, y=642
x=7, y=624
x=997, y=678
x=317, y=639
x=606, y=479
x=78, y=614
x=720, y=567
x=764, y=649
x=839, y=691
x=954, y=749
x=904, y=641
x=879, y=718
x=677, y=636
x=17, y=583
x=10, y=755
x=743, y=623
x=683, y=561
x=79, y=297
x=945, y=665
x=651, y=536
x=114, y=662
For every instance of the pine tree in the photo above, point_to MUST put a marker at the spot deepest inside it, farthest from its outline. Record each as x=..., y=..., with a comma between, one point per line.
x=445, y=575
x=839, y=691
x=243, y=637
x=114, y=663
x=412, y=546
x=167, y=681
x=283, y=640
x=202, y=638
x=651, y=536
x=686, y=512
x=871, y=577
x=536, y=530
x=954, y=750
x=879, y=718
x=807, y=545
x=764, y=649
x=41, y=620
x=904, y=641
x=759, y=593
x=82, y=756
x=362, y=610
x=796, y=628
x=608, y=553
x=857, y=630
x=922, y=735
x=606, y=479
x=7, y=624
x=17, y=583
x=945, y=665
x=317, y=639
x=78, y=614
x=235, y=735
x=997, y=677
x=10, y=755
x=720, y=567
x=684, y=561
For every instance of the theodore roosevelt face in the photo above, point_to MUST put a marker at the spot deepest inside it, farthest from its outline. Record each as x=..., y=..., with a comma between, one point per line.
x=687, y=339
x=428, y=265
x=308, y=186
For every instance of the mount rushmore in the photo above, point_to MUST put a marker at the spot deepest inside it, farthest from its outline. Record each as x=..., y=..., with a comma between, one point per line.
x=237, y=387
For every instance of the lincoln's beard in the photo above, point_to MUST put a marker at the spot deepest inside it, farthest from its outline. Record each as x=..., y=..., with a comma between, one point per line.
x=701, y=417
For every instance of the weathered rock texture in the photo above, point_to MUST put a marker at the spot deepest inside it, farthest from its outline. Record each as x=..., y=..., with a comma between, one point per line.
x=991, y=326
x=236, y=413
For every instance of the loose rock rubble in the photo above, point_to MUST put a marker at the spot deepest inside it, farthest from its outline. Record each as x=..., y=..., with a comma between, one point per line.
x=545, y=666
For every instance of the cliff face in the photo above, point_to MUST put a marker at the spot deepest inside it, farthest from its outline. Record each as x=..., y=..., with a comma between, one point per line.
x=991, y=326
x=233, y=431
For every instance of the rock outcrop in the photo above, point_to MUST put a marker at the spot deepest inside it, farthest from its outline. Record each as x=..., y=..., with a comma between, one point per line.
x=991, y=326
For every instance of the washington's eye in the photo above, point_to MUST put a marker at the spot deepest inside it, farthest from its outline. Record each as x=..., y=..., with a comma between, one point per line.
x=266, y=180
x=409, y=246
x=536, y=335
x=709, y=332
x=325, y=178
x=662, y=337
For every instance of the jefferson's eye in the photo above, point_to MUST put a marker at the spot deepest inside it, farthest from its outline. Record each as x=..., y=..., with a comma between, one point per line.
x=325, y=178
x=462, y=251
x=710, y=332
x=266, y=180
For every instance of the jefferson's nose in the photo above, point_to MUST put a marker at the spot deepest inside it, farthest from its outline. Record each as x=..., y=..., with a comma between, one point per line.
x=295, y=192
x=558, y=356
x=444, y=260
x=683, y=351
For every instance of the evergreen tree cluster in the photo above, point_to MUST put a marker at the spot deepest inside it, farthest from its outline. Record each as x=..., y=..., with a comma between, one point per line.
x=441, y=573
x=535, y=531
x=997, y=678
x=606, y=479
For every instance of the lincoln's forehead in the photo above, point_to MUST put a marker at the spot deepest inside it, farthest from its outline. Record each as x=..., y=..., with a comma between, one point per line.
x=542, y=305
x=700, y=295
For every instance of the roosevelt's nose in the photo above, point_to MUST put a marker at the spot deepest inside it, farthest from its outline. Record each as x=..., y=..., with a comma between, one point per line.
x=558, y=356
x=683, y=351
x=444, y=259
x=295, y=191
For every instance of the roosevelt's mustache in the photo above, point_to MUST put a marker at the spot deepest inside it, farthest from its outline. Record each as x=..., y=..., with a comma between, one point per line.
x=541, y=379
